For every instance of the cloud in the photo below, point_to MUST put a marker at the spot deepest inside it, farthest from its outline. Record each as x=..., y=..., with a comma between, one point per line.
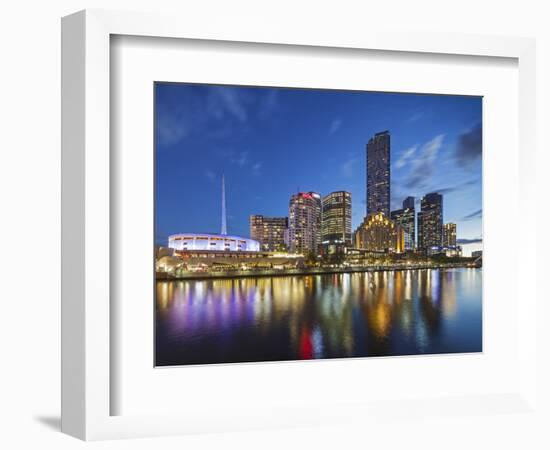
x=458, y=187
x=241, y=159
x=223, y=102
x=423, y=166
x=473, y=215
x=256, y=168
x=415, y=117
x=469, y=146
x=269, y=103
x=406, y=156
x=214, y=112
x=469, y=241
x=335, y=126
x=347, y=169
x=172, y=127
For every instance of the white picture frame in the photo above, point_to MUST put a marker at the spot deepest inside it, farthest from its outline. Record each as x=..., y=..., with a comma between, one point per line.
x=87, y=386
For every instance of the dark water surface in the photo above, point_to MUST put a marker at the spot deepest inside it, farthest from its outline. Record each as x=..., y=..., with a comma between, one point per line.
x=318, y=316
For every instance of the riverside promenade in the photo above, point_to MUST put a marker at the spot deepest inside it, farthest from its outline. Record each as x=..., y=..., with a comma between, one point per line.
x=163, y=276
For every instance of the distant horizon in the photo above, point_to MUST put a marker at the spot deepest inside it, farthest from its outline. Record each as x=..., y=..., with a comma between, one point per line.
x=272, y=142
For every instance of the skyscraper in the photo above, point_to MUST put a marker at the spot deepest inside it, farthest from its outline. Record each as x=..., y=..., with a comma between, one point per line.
x=269, y=232
x=430, y=221
x=336, y=224
x=378, y=174
x=304, y=222
x=408, y=203
x=405, y=219
x=449, y=235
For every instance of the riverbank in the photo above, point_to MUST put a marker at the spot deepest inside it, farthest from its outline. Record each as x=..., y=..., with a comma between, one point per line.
x=162, y=276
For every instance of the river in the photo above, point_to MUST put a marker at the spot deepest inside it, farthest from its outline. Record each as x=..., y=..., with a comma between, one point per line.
x=402, y=312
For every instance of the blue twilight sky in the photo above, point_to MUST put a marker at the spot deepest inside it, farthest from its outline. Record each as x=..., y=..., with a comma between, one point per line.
x=271, y=142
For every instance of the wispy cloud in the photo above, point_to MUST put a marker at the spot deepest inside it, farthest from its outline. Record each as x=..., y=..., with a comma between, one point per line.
x=469, y=146
x=172, y=127
x=406, y=156
x=457, y=187
x=474, y=215
x=414, y=117
x=215, y=112
x=335, y=125
x=256, y=169
x=244, y=161
x=423, y=166
x=347, y=168
x=268, y=103
x=241, y=159
x=469, y=241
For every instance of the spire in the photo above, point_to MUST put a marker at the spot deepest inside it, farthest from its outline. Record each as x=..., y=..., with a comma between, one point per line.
x=224, y=218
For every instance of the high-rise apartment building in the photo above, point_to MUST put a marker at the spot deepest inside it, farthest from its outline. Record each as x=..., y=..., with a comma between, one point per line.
x=304, y=222
x=405, y=218
x=449, y=235
x=378, y=174
x=430, y=221
x=408, y=203
x=269, y=232
x=336, y=221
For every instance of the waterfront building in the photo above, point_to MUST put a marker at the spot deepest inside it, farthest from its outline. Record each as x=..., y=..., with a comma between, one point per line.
x=477, y=254
x=181, y=262
x=405, y=219
x=304, y=222
x=378, y=233
x=212, y=241
x=269, y=232
x=453, y=251
x=378, y=174
x=430, y=221
x=336, y=221
x=449, y=235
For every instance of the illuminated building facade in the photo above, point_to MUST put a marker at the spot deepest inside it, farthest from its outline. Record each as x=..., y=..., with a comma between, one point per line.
x=336, y=219
x=449, y=235
x=304, y=222
x=405, y=218
x=378, y=233
x=269, y=232
x=213, y=242
x=430, y=221
x=378, y=174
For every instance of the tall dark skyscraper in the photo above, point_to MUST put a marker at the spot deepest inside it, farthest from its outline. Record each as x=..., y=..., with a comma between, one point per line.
x=405, y=219
x=430, y=221
x=336, y=223
x=378, y=174
x=408, y=203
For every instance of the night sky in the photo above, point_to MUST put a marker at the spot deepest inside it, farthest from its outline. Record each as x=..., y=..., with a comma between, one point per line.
x=271, y=142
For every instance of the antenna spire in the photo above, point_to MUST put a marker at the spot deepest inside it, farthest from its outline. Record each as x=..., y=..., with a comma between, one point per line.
x=224, y=218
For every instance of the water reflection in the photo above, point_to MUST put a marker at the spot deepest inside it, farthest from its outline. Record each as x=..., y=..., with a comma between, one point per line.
x=321, y=316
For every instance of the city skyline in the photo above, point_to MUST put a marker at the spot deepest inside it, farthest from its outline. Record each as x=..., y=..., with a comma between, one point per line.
x=221, y=139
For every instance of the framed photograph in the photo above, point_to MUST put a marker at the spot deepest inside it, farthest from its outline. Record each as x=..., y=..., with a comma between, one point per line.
x=380, y=255
x=253, y=217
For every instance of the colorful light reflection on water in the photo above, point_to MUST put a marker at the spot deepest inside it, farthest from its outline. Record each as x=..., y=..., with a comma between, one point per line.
x=318, y=316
